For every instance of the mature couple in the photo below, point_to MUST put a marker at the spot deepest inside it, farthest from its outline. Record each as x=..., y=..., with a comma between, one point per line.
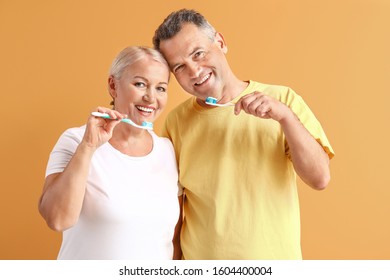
x=219, y=184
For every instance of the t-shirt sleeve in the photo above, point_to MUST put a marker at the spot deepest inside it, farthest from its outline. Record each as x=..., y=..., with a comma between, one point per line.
x=308, y=119
x=164, y=131
x=63, y=151
x=165, y=134
x=180, y=191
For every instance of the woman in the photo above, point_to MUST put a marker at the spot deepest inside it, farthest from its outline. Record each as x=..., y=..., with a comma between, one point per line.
x=110, y=187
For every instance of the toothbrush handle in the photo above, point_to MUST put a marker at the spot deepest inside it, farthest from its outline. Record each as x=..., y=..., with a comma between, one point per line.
x=145, y=125
x=101, y=115
x=107, y=116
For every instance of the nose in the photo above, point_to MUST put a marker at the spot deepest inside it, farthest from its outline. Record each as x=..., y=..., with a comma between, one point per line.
x=150, y=95
x=194, y=70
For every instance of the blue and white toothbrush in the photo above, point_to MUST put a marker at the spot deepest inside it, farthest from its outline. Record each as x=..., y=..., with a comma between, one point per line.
x=213, y=101
x=145, y=125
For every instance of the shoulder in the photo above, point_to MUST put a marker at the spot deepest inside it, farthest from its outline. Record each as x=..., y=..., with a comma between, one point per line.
x=162, y=144
x=182, y=108
x=283, y=93
x=181, y=113
x=161, y=140
x=75, y=133
x=71, y=137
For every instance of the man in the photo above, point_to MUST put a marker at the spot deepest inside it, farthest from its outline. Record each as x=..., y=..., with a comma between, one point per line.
x=238, y=169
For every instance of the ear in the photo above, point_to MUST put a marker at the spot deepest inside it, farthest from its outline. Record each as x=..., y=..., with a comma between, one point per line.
x=221, y=42
x=112, y=86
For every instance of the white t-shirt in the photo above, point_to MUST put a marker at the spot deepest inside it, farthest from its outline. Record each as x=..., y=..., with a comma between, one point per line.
x=130, y=207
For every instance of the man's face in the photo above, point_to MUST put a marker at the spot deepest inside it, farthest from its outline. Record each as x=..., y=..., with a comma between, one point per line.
x=198, y=63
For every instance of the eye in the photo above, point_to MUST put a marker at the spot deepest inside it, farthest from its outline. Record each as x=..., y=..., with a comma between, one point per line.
x=161, y=89
x=178, y=68
x=199, y=54
x=140, y=84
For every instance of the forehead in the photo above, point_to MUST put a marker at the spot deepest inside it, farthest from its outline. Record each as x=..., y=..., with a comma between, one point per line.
x=184, y=43
x=148, y=68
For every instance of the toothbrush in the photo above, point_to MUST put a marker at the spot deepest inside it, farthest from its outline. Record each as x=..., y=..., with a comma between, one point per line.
x=213, y=101
x=145, y=125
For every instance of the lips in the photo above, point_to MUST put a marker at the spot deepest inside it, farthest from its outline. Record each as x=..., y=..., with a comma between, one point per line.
x=203, y=80
x=145, y=109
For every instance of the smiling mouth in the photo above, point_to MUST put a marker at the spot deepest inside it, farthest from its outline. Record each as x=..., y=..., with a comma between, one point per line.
x=145, y=109
x=204, y=79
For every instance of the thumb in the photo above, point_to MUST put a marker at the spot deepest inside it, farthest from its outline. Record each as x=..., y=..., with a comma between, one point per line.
x=238, y=107
x=111, y=124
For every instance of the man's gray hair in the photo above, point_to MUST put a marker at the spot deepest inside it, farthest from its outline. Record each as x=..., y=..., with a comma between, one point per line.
x=174, y=23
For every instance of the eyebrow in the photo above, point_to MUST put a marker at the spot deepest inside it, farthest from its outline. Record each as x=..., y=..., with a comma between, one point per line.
x=140, y=77
x=194, y=50
x=147, y=80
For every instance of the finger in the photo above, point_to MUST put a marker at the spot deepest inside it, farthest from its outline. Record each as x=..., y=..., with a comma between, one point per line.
x=238, y=107
x=255, y=94
x=111, y=125
x=255, y=106
x=118, y=115
x=249, y=103
x=114, y=115
x=246, y=101
x=243, y=103
x=263, y=111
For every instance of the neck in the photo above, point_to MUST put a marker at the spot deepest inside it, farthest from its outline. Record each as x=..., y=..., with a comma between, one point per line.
x=132, y=141
x=232, y=89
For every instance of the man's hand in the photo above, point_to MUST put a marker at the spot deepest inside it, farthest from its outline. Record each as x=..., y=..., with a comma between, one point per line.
x=262, y=106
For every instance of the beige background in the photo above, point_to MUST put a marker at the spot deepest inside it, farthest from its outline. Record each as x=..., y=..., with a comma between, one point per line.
x=335, y=53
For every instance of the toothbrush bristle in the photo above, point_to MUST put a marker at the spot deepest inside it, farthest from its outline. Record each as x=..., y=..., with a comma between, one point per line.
x=211, y=100
x=147, y=124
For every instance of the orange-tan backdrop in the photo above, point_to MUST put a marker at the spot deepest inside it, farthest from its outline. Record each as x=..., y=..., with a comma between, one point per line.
x=54, y=58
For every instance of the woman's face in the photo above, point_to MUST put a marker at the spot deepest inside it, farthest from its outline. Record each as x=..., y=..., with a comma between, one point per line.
x=142, y=91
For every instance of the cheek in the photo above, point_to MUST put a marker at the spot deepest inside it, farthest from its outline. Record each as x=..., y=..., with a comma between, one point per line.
x=162, y=101
x=182, y=79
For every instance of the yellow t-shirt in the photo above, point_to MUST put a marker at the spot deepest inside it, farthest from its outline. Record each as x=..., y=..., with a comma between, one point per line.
x=240, y=186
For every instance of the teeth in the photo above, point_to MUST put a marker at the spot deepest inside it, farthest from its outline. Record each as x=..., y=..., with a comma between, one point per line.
x=144, y=109
x=203, y=80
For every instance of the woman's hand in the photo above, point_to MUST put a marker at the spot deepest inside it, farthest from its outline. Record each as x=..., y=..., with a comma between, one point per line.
x=99, y=130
